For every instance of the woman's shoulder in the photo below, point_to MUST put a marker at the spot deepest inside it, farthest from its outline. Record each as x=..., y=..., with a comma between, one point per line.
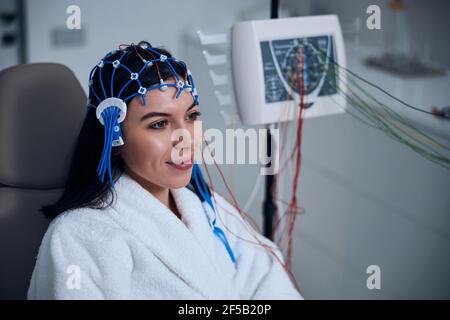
x=85, y=225
x=85, y=238
x=87, y=218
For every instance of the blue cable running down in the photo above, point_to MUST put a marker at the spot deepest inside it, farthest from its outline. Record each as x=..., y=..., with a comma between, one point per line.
x=203, y=190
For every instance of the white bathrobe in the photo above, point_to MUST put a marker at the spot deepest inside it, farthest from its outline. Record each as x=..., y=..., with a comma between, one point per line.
x=139, y=249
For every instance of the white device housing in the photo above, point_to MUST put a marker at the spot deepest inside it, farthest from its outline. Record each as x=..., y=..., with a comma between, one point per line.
x=259, y=84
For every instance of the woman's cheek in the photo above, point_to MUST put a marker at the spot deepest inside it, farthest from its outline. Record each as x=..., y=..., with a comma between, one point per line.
x=130, y=154
x=157, y=146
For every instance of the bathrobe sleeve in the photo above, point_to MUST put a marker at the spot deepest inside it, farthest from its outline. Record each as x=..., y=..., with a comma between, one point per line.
x=81, y=259
x=259, y=274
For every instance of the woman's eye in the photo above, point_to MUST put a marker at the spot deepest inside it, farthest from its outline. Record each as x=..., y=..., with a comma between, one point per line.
x=194, y=115
x=159, y=125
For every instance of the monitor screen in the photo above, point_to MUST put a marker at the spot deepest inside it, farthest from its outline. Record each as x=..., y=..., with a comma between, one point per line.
x=281, y=67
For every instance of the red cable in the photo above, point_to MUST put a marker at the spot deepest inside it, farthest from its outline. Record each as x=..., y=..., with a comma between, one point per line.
x=236, y=206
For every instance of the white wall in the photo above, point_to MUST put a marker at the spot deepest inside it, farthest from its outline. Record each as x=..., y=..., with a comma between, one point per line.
x=428, y=25
x=368, y=200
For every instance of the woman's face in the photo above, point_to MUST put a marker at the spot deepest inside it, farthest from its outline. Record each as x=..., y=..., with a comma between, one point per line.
x=159, y=135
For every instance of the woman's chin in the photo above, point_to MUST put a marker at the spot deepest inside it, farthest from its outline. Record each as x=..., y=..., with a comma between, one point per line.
x=179, y=181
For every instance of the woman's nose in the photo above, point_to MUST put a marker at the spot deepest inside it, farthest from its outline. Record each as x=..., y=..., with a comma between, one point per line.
x=182, y=138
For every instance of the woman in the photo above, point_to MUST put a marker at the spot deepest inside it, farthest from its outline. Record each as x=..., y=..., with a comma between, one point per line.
x=152, y=229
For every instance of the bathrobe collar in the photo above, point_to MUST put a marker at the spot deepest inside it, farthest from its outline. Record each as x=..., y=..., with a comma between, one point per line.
x=184, y=246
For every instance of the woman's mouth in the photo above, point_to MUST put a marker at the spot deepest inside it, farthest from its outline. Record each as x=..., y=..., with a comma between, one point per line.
x=183, y=165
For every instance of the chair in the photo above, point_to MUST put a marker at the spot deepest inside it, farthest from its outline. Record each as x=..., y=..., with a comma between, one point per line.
x=42, y=107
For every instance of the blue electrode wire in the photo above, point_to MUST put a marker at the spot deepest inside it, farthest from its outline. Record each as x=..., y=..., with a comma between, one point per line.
x=201, y=186
x=110, y=117
x=180, y=87
x=194, y=89
x=129, y=81
x=101, y=81
x=90, y=83
x=113, y=73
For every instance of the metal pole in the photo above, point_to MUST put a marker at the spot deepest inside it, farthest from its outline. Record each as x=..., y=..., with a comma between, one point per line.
x=269, y=207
